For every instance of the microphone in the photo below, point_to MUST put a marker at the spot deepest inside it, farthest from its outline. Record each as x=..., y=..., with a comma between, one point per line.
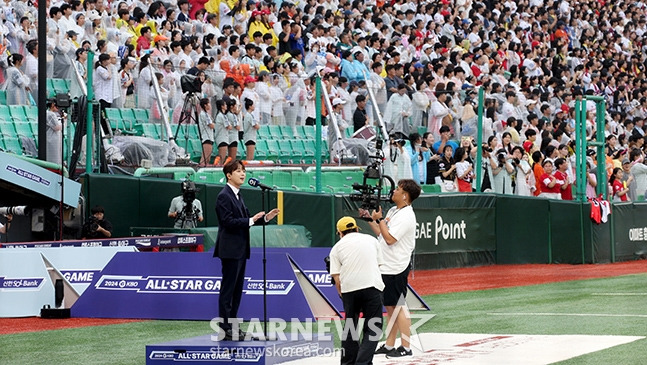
x=258, y=184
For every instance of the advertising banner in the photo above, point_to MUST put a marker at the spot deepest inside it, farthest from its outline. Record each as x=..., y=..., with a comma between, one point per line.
x=148, y=242
x=37, y=179
x=630, y=228
x=449, y=230
x=181, y=285
x=25, y=285
x=79, y=266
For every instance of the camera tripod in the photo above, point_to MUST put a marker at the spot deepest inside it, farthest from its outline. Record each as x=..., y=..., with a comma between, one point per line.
x=189, y=114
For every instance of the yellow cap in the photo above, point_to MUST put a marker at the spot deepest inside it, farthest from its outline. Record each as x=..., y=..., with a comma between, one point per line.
x=346, y=223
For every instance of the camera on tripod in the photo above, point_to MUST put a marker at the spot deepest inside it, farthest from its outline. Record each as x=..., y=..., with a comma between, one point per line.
x=370, y=195
x=191, y=84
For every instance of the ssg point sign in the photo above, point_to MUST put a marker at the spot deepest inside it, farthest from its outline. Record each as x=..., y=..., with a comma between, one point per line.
x=448, y=231
x=451, y=230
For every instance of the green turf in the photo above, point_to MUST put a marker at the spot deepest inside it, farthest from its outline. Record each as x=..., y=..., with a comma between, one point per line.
x=468, y=312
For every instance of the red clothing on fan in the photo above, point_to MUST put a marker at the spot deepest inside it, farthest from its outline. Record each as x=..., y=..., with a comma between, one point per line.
x=618, y=186
x=545, y=180
x=567, y=194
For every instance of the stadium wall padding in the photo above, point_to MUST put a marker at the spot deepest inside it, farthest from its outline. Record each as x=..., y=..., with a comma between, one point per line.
x=453, y=230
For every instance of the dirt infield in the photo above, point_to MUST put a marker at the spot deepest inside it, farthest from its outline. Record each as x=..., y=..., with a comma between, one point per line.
x=37, y=324
x=424, y=282
x=505, y=276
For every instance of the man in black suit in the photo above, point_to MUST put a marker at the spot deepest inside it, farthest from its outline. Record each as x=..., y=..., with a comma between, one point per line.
x=232, y=244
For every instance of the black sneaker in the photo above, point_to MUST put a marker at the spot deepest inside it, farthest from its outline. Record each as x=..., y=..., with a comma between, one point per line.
x=399, y=352
x=383, y=350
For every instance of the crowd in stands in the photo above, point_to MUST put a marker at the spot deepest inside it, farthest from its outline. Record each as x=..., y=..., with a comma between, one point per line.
x=420, y=63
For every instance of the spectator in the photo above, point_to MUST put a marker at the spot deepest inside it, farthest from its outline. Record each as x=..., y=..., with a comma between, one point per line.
x=17, y=83
x=464, y=171
x=618, y=189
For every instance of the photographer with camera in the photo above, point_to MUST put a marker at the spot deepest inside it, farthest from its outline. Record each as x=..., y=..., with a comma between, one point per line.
x=503, y=173
x=185, y=208
x=397, y=159
x=397, y=236
x=96, y=226
x=355, y=268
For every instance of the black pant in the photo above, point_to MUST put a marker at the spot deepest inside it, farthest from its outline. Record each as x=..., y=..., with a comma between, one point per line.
x=231, y=289
x=369, y=302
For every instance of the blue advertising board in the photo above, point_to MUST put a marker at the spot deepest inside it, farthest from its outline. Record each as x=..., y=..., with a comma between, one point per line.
x=188, y=240
x=25, y=285
x=182, y=285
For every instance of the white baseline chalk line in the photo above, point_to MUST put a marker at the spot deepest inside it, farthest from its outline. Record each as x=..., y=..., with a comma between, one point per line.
x=570, y=314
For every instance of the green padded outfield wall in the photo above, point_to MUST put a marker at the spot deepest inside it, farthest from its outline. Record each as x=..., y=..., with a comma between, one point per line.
x=453, y=230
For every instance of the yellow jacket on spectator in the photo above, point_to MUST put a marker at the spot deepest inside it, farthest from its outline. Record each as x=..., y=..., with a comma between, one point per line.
x=257, y=26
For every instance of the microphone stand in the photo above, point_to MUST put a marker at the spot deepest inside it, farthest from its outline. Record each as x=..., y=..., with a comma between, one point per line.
x=264, y=268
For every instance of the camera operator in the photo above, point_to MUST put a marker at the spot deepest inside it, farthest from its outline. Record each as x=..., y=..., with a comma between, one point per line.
x=96, y=226
x=185, y=208
x=354, y=266
x=397, y=236
x=5, y=227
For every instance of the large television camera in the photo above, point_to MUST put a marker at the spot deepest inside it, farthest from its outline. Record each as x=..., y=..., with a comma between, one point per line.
x=372, y=189
x=190, y=212
x=191, y=84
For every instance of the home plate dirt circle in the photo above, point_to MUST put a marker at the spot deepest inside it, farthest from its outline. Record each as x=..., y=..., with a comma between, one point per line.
x=482, y=349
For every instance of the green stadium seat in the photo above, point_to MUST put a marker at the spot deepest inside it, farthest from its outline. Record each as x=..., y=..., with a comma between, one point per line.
x=299, y=150
x=287, y=155
x=13, y=145
x=287, y=132
x=348, y=133
x=334, y=181
x=273, y=149
x=5, y=114
x=264, y=132
x=260, y=153
x=31, y=112
x=275, y=131
x=128, y=116
x=352, y=177
x=148, y=130
x=60, y=86
x=207, y=177
x=282, y=179
x=299, y=132
x=17, y=112
x=430, y=189
x=3, y=97
x=141, y=115
x=264, y=176
x=23, y=129
x=309, y=131
x=303, y=181
x=7, y=129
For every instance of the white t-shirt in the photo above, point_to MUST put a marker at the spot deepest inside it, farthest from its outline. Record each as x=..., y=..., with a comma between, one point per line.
x=356, y=258
x=402, y=226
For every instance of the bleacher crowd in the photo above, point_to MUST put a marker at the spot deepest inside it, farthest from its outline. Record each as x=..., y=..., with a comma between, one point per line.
x=420, y=63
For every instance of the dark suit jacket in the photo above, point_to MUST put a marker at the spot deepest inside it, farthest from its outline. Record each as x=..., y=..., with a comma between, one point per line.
x=233, y=226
